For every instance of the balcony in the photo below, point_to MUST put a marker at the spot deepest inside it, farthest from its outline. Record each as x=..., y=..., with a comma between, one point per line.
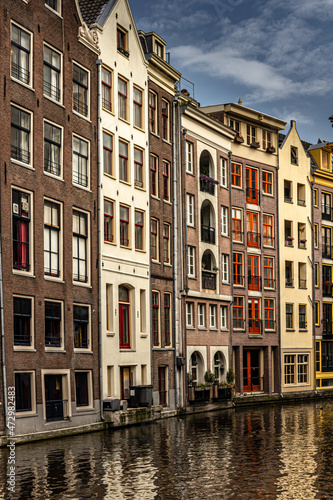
x=301, y=283
x=252, y=196
x=255, y=326
x=269, y=283
x=208, y=280
x=327, y=329
x=253, y=239
x=237, y=236
x=270, y=325
x=326, y=251
x=207, y=186
x=208, y=234
x=254, y=282
x=326, y=213
x=327, y=289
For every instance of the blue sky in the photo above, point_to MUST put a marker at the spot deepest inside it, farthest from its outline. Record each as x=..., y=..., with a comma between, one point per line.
x=276, y=56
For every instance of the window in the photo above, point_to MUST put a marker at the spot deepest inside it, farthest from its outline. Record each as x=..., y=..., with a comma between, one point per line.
x=122, y=98
x=154, y=239
x=52, y=149
x=301, y=275
x=80, y=243
x=190, y=209
x=22, y=321
x=153, y=175
x=224, y=221
x=163, y=385
x=238, y=277
x=106, y=89
x=20, y=60
x=54, y=4
x=108, y=153
x=316, y=275
x=288, y=231
x=225, y=268
x=269, y=281
x=124, y=318
x=159, y=49
x=252, y=192
x=152, y=102
x=293, y=155
x=212, y=317
x=289, y=273
x=237, y=224
x=189, y=314
x=251, y=134
x=122, y=41
x=289, y=369
x=166, y=181
x=253, y=272
x=109, y=221
x=201, y=315
x=326, y=236
x=138, y=167
x=80, y=90
x=224, y=317
x=21, y=230
x=165, y=120
x=124, y=226
x=254, y=316
x=166, y=243
x=52, y=74
x=80, y=161
x=325, y=160
x=82, y=389
x=253, y=235
x=23, y=391
x=326, y=211
x=317, y=315
x=268, y=230
x=315, y=197
x=189, y=157
x=235, y=125
x=302, y=316
x=51, y=238
x=302, y=368
x=123, y=161
x=269, y=307
x=137, y=105
x=267, y=182
x=301, y=194
x=238, y=313
x=266, y=139
x=288, y=191
x=156, y=318
x=316, y=235
x=167, y=319
x=53, y=324
x=20, y=135
x=139, y=229
x=289, y=316
x=223, y=164
x=81, y=326
x=236, y=174
x=191, y=261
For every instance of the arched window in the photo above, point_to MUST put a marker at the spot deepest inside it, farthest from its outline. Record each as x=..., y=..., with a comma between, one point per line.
x=219, y=366
x=124, y=318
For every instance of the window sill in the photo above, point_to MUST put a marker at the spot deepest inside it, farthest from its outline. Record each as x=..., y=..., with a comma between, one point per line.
x=143, y=335
x=86, y=118
x=166, y=264
x=155, y=197
x=114, y=243
x=78, y=350
x=82, y=187
x=268, y=194
x=110, y=334
x=155, y=262
x=52, y=176
x=290, y=330
x=54, y=101
x=18, y=348
x=167, y=202
x=202, y=328
x=23, y=273
x=167, y=142
x=85, y=285
x=213, y=329
x=237, y=187
x=140, y=250
x=125, y=182
x=110, y=176
x=154, y=134
x=108, y=111
x=55, y=280
x=124, y=120
x=21, y=164
x=81, y=409
x=16, y=80
x=190, y=173
x=139, y=128
x=55, y=349
x=128, y=248
x=126, y=57
x=140, y=188
x=224, y=330
x=53, y=11
x=190, y=327
x=25, y=414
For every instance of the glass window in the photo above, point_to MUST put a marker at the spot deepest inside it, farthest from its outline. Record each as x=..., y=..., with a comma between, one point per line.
x=166, y=181
x=22, y=321
x=106, y=89
x=152, y=101
x=137, y=104
x=289, y=369
x=122, y=98
x=155, y=318
x=224, y=221
x=238, y=313
x=153, y=175
x=212, y=317
x=21, y=230
x=51, y=238
x=267, y=182
x=191, y=261
x=190, y=209
x=139, y=229
x=124, y=318
x=108, y=153
x=154, y=239
x=124, y=226
x=138, y=167
x=52, y=149
x=54, y=4
x=20, y=54
x=23, y=396
x=289, y=316
x=80, y=237
x=123, y=161
x=53, y=324
x=236, y=174
x=122, y=41
x=80, y=90
x=81, y=326
x=224, y=182
x=224, y=315
x=52, y=74
x=237, y=224
x=167, y=318
x=225, y=268
x=108, y=221
x=189, y=157
x=189, y=314
x=166, y=243
x=20, y=135
x=80, y=161
x=201, y=315
x=165, y=120
x=81, y=389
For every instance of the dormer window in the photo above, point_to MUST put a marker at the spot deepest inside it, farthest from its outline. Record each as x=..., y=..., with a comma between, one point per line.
x=235, y=125
x=325, y=160
x=159, y=49
x=122, y=41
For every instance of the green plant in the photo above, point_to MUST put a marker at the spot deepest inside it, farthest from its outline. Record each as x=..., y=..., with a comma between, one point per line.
x=189, y=378
x=209, y=377
x=230, y=376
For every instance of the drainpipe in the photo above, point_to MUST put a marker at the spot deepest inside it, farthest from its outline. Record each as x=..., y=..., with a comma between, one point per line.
x=3, y=340
x=174, y=192
x=231, y=357
x=99, y=194
x=313, y=283
x=278, y=259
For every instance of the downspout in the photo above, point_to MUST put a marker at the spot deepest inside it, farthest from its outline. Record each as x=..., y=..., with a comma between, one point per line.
x=231, y=357
x=313, y=282
x=278, y=259
x=3, y=339
x=174, y=193
x=99, y=189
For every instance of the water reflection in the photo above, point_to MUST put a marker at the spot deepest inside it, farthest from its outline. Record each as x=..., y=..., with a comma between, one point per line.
x=259, y=453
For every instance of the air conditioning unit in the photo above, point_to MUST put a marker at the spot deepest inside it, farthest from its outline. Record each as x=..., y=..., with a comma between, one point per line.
x=15, y=208
x=25, y=206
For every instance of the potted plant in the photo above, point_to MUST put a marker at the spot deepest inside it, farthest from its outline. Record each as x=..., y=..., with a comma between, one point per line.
x=215, y=268
x=270, y=149
x=206, y=178
x=255, y=144
x=302, y=241
x=238, y=138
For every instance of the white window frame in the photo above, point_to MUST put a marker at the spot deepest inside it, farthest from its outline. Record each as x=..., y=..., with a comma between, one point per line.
x=190, y=209
x=225, y=268
x=31, y=71
x=224, y=317
x=82, y=115
x=90, y=391
x=32, y=324
x=191, y=261
x=212, y=316
x=62, y=333
x=189, y=314
x=89, y=337
x=88, y=250
x=201, y=315
x=189, y=157
x=55, y=176
x=56, y=11
x=223, y=165
x=77, y=184
x=29, y=272
x=60, y=101
x=61, y=246
x=224, y=221
x=17, y=161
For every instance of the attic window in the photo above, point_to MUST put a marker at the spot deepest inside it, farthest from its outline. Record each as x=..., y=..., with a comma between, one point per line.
x=293, y=155
x=122, y=41
x=325, y=162
x=159, y=49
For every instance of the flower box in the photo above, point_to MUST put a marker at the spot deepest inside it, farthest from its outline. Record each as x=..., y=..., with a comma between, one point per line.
x=270, y=149
x=255, y=144
x=238, y=138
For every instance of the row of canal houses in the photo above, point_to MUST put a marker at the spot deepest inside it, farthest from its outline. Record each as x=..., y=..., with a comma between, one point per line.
x=146, y=240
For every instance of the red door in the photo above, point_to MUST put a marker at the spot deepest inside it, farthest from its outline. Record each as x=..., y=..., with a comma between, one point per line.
x=254, y=320
x=251, y=370
x=252, y=185
x=252, y=230
x=253, y=272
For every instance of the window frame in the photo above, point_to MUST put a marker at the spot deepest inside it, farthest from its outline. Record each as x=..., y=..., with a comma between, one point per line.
x=190, y=209
x=269, y=269
x=23, y=346
x=236, y=175
x=166, y=244
x=122, y=41
x=124, y=226
x=57, y=10
x=141, y=230
x=154, y=239
x=155, y=321
x=60, y=321
x=109, y=220
x=237, y=222
x=269, y=305
x=201, y=315
x=267, y=183
x=270, y=233
x=20, y=130
x=224, y=221
x=189, y=314
x=225, y=267
x=57, y=229
x=302, y=317
x=81, y=107
x=55, y=95
x=293, y=155
x=123, y=100
x=224, y=318
x=81, y=179
x=224, y=172
x=238, y=269
x=107, y=90
x=108, y=153
x=189, y=157
x=21, y=48
x=86, y=238
x=167, y=317
x=22, y=267
x=166, y=181
x=139, y=172
x=89, y=405
x=51, y=168
x=153, y=112
x=32, y=384
x=165, y=120
x=153, y=168
x=213, y=317
x=125, y=305
x=238, y=308
x=290, y=321
x=138, y=109
x=191, y=261
x=123, y=160
x=79, y=339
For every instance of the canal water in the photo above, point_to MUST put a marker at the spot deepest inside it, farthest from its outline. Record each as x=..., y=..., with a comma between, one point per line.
x=283, y=452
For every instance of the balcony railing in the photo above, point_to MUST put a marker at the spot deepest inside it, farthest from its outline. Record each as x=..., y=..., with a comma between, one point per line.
x=269, y=283
x=81, y=342
x=327, y=251
x=207, y=187
x=327, y=290
x=20, y=154
x=301, y=283
x=20, y=339
x=254, y=282
x=51, y=167
x=80, y=106
x=237, y=236
x=252, y=196
x=253, y=383
x=20, y=73
x=237, y=279
x=255, y=326
x=270, y=325
x=301, y=202
x=327, y=328
x=51, y=91
x=208, y=280
x=288, y=198
x=52, y=341
x=253, y=239
x=302, y=324
x=208, y=234
x=289, y=281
